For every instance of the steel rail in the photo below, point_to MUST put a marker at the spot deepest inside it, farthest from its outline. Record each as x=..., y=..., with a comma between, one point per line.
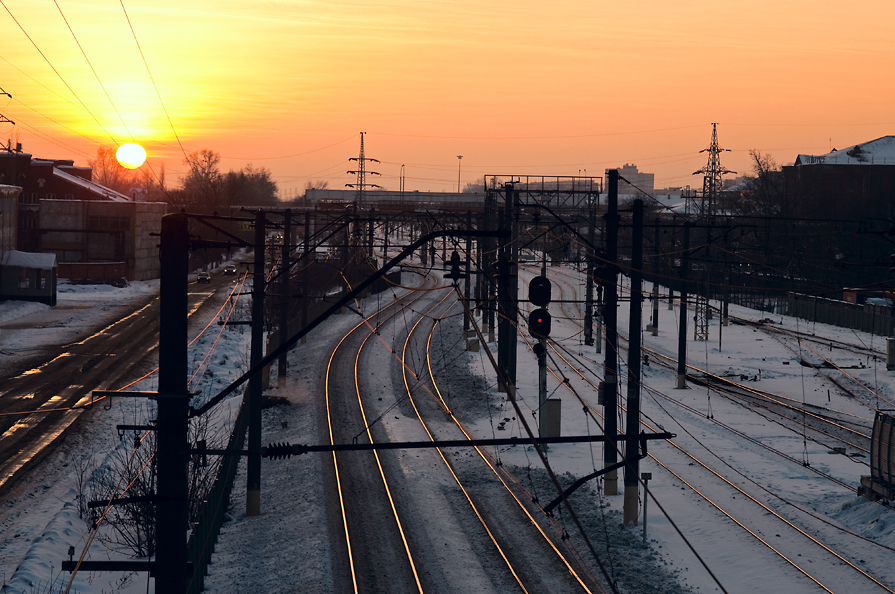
x=329, y=420
x=754, y=500
x=419, y=415
x=490, y=463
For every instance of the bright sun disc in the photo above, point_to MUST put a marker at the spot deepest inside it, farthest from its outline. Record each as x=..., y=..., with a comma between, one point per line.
x=130, y=155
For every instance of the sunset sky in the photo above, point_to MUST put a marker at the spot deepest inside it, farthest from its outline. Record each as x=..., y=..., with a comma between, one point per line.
x=516, y=87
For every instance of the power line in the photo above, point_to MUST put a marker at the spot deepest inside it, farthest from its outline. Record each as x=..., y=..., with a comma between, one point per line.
x=540, y=137
x=50, y=64
x=145, y=63
x=293, y=155
x=75, y=132
x=83, y=53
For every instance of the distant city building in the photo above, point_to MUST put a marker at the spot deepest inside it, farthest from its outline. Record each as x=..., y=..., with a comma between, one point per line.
x=640, y=182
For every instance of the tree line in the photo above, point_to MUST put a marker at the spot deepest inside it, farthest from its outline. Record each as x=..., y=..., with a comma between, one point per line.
x=204, y=188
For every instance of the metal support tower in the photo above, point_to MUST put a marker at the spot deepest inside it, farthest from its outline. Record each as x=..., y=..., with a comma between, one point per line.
x=712, y=172
x=711, y=192
x=361, y=184
x=701, y=318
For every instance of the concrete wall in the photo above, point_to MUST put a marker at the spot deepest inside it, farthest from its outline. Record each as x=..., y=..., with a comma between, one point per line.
x=103, y=231
x=9, y=218
x=148, y=220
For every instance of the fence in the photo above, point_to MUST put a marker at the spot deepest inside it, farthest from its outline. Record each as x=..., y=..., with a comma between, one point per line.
x=207, y=527
x=874, y=319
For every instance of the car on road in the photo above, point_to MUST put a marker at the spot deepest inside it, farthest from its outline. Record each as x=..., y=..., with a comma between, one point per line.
x=203, y=277
x=229, y=269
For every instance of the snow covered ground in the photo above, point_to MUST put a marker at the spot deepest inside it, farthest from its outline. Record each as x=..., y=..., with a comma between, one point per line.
x=39, y=519
x=285, y=549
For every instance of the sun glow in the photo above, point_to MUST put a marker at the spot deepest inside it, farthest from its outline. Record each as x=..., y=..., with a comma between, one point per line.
x=130, y=155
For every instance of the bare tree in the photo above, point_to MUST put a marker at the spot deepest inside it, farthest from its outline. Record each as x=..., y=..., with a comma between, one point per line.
x=203, y=185
x=763, y=194
x=108, y=172
x=131, y=525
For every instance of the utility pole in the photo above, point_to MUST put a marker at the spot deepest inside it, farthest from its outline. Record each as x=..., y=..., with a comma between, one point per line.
x=370, y=230
x=610, y=316
x=459, y=160
x=172, y=457
x=507, y=291
x=467, y=289
x=285, y=297
x=589, y=280
x=632, y=427
x=491, y=288
x=655, y=267
x=682, y=332
x=254, y=391
x=305, y=285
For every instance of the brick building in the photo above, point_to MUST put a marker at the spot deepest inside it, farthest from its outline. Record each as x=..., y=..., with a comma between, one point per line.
x=97, y=234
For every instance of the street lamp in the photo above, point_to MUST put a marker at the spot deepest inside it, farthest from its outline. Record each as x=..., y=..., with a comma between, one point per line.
x=459, y=159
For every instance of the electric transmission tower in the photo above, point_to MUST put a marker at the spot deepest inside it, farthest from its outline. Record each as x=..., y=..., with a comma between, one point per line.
x=711, y=192
x=361, y=184
x=712, y=172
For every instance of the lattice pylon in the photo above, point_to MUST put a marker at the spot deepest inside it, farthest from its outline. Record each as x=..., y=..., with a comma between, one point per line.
x=701, y=325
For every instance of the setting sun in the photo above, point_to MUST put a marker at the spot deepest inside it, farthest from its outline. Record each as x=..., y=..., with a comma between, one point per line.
x=130, y=155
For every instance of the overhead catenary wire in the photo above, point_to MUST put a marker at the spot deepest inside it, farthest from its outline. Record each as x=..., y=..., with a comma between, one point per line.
x=92, y=69
x=58, y=74
x=151, y=78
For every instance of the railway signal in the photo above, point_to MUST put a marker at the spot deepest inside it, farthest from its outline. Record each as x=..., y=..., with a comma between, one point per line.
x=539, y=323
x=455, y=274
x=539, y=290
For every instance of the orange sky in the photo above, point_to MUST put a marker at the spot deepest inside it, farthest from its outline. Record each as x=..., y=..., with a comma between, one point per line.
x=513, y=86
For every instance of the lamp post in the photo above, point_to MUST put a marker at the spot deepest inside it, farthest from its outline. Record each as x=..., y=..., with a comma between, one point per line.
x=459, y=159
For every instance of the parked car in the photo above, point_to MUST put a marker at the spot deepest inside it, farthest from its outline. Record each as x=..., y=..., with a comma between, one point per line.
x=229, y=269
x=203, y=277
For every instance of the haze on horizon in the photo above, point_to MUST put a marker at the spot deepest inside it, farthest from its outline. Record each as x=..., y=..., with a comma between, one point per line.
x=514, y=87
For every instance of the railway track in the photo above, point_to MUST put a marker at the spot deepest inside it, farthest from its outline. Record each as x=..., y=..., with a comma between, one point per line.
x=374, y=548
x=716, y=487
x=538, y=556
x=40, y=404
x=398, y=511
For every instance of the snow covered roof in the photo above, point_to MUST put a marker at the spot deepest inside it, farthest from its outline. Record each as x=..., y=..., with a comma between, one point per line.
x=29, y=260
x=875, y=152
x=9, y=190
x=90, y=186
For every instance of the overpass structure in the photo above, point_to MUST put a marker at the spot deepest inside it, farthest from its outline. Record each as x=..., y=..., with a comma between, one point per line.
x=567, y=194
